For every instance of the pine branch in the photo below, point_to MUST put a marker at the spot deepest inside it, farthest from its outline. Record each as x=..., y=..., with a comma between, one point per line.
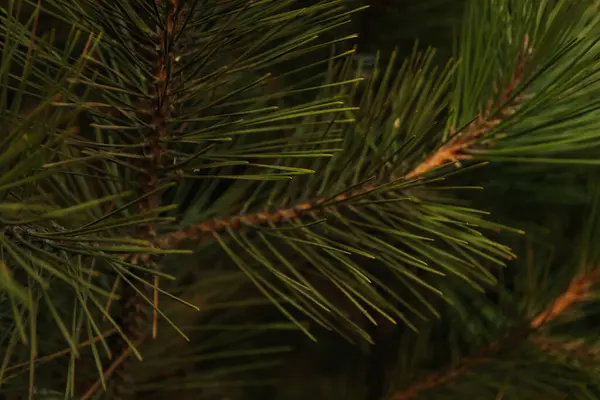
x=577, y=292
x=114, y=367
x=58, y=354
x=455, y=149
x=579, y=348
x=153, y=165
x=460, y=143
x=137, y=318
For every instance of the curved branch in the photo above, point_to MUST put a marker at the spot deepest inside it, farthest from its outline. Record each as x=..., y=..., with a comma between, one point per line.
x=454, y=149
x=578, y=291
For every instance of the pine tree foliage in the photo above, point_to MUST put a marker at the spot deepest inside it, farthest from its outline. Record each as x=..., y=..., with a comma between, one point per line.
x=536, y=339
x=240, y=176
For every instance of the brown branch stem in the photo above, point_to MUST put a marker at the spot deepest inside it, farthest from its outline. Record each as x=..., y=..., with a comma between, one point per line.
x=454, y=149
x=139, y=319
x=111, y=369
x=578, y=291
x=451, y=152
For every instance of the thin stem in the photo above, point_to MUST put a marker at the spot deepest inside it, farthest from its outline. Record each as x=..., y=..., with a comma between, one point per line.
x=578, y=291
x=111, y=370
x=454, y=149
x=65, y=351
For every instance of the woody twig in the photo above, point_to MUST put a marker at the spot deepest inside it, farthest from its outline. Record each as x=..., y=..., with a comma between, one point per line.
x=139, y=317
x=577, y=292
x=453, y=150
